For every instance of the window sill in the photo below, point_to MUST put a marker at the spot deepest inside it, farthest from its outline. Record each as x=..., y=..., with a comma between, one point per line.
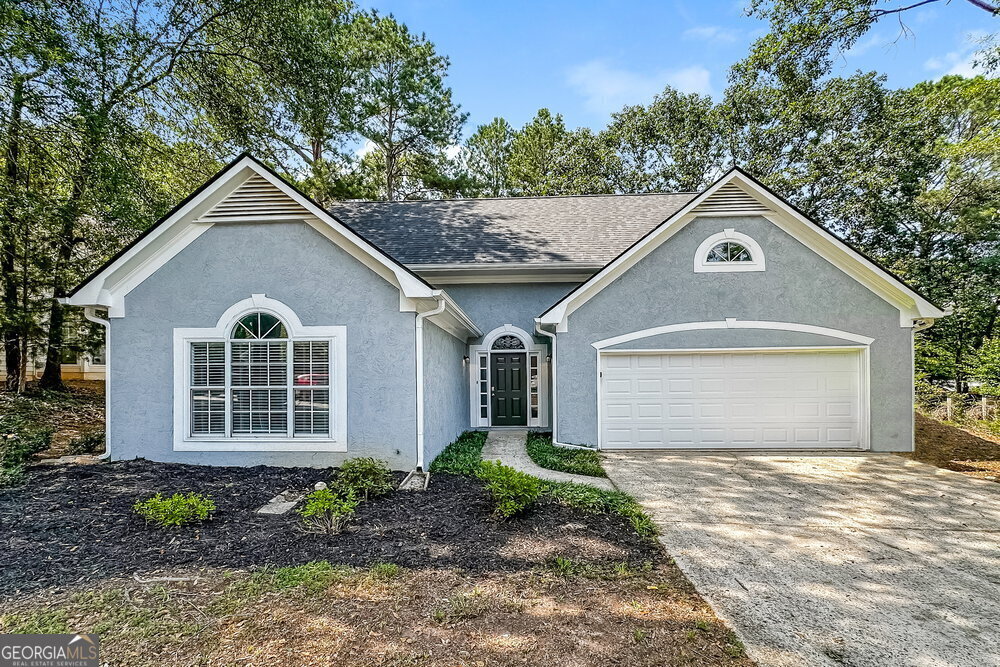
x=728, y=267
x=261, y=445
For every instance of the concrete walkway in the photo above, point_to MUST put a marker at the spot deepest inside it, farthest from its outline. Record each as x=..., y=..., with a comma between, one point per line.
x=832, y=559
x=508, y=448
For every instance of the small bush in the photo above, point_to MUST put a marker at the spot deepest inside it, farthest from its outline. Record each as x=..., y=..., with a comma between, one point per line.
x=329, y=510
x=16, y=450
x=87, y=443
x=177, y=510
x=576, y=461
x=461, y=457
x=513, y=491
x=367, y=477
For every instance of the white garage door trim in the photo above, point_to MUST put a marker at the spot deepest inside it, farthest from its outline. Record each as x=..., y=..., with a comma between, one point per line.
x=864, y=379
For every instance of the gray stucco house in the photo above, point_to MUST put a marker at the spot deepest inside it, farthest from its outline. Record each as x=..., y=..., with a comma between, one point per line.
x=250, y=326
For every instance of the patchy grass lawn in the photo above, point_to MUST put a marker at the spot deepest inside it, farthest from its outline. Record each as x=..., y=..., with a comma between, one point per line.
x=69, y=415
x=975, y=453
x=385, y=615
x=576, y=461
x=417, y=578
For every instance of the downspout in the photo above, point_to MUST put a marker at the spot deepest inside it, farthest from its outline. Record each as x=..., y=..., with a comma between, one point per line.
x=420, y=374
x=91, y=314
x=555, y=436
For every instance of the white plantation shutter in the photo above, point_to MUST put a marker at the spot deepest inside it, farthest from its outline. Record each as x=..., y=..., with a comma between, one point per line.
x=208, y=388
x=266, y=387
x=312, y=369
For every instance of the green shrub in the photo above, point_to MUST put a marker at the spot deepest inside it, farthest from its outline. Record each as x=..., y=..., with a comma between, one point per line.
x=576, y=461
x=87, y=443
x=329, y=510
x=513, y=491
x=177, y=510
x=597, y=501
x=461, y=457
x=16, y=450
x=366, y=477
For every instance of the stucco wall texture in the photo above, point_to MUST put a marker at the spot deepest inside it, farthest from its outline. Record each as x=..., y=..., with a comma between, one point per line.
x=494, y=305
x=325, y=286
x=797, y=286
x=446, y=390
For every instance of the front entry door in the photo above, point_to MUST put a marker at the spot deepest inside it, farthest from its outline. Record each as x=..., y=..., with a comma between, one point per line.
x=508, y=389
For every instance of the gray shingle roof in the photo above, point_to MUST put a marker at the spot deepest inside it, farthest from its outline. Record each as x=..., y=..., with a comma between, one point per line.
x=592, y=228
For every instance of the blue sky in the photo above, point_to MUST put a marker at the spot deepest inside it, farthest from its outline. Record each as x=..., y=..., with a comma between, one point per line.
x=585, y=59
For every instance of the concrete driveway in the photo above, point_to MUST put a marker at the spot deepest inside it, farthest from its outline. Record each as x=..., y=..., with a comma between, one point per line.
x=832, y=559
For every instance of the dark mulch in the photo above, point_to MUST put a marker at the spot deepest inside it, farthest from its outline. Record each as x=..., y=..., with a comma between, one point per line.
x=74, y=524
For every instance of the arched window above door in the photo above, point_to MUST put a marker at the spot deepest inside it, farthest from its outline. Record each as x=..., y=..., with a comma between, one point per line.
x=508, y=343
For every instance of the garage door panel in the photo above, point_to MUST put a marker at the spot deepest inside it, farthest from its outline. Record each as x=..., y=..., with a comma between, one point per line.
x=738, y=400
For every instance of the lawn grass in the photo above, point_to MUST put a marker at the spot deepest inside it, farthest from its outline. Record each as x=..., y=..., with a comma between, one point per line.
x=576, y=461
x=324, y=613
x=463, y=456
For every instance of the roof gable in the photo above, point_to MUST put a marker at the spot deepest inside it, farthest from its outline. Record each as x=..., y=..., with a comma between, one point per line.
x=737, y=194
x=245, y=190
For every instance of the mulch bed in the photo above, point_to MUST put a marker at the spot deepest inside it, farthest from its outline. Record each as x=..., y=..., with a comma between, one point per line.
x=74, y=524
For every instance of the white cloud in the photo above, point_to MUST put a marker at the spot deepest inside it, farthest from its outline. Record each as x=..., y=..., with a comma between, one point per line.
x=865, y=45
x=453, y=151
x=365, y=149
x=712, y=33
x=607, y=88
x=959, y=61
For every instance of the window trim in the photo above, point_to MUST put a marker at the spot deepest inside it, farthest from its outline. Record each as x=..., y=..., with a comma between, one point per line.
x=335, y=335
x=701, y=265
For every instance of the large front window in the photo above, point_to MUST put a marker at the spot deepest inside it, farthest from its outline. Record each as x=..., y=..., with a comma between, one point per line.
x=260, y=382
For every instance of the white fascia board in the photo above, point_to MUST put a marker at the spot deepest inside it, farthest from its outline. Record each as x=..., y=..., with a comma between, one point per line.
x=109, y=287
x=557, y=314
x=821, y=241
x=139, y=261
x=410, y=285
x=910, y=304
x=453, y=319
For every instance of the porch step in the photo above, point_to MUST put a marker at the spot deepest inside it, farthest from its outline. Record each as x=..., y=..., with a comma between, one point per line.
x=508, y=447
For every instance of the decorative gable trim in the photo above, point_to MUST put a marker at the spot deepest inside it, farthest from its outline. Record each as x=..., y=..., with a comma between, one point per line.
x=730, y=199
x=255, y=199
x=720, y=198
x=244, y=191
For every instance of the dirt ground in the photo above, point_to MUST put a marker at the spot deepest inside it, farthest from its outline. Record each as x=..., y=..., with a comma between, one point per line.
x=973, y=453
x=389, y=616
x=69, y=414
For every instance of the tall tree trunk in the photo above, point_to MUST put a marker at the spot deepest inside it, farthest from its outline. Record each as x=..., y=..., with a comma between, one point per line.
x=52, y=375
x=10, y=328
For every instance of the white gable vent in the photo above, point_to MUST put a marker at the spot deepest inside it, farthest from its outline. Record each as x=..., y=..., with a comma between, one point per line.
x=731, y=198
x=256, y=199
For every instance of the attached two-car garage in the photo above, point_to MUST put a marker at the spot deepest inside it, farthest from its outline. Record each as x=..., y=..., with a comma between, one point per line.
x=763, y=399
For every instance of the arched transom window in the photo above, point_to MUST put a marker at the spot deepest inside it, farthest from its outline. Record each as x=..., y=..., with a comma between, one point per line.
x=260, y=382
x=729, y=250
x=508, y=343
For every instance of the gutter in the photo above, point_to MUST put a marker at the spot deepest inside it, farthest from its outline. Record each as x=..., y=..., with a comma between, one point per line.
x=90, y=312
x=419, y=335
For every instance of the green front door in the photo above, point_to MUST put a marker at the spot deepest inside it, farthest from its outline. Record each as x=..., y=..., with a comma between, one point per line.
x=509, y=389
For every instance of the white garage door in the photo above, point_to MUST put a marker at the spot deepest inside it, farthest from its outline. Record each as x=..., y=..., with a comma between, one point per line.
x=744, y=400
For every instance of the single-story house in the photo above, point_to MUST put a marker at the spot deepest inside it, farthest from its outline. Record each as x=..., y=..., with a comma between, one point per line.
x=252, y=326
